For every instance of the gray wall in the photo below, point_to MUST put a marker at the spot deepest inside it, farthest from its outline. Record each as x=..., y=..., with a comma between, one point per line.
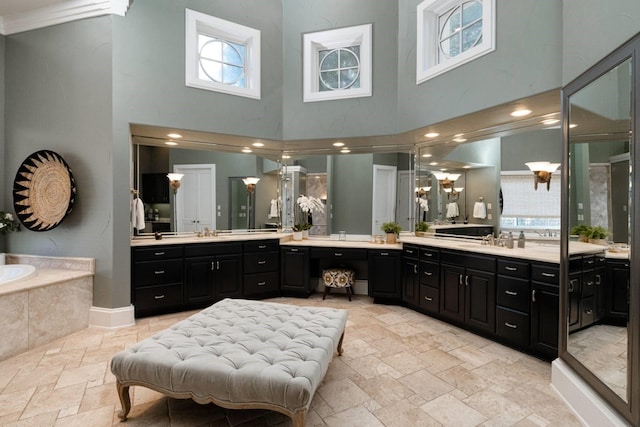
x=592, y=29
x=58, y=97
x=3, y=206
x=527, y=61
x=375, y=115
x=542, y=145
x=351, y=193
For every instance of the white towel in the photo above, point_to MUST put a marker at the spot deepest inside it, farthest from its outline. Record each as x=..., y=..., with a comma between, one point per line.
x=273, y=211
x=452, y=210
x=480, y=210
x=137, y=214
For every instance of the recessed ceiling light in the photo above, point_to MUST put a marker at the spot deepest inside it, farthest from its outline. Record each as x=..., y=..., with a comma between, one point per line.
x=338, y=144
x=466, y=167
x=345, y=150
x=174, y=135
x=459, y=139
x=458, y=135
x=431, y=134
x=550, y=121
x=433, y=163
x=426, y=155
x=573, y=125
x=521, y=112
x=258, y=144
x=286, y=156
x=247, y=150
x=171, y=143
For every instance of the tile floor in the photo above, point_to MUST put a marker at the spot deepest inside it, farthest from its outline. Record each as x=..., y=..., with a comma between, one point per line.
x=399, y=368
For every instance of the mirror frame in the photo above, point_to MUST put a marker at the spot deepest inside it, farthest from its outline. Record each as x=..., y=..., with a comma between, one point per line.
x=630, y=410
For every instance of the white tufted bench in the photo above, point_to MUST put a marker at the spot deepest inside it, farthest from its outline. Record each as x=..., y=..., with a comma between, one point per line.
x=238, y=354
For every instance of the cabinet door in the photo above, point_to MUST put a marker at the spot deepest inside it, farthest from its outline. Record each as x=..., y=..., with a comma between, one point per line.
x=199, y=281
x=575, y=286
x=544, y=319
x=618, y=289
x=384, y=275
x=410, y=281
x=600, y=297
x=228, y=276
x=452, y=292
x=295, y=270
x=480, y=301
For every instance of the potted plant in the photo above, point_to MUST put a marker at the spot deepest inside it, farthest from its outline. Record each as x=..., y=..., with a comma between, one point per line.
x=421, y=228
x=391, y=229
x=582, y=231
x=305, y=206
x=597, y=235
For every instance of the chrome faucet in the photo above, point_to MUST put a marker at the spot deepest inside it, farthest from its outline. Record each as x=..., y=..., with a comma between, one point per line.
x=488, y=240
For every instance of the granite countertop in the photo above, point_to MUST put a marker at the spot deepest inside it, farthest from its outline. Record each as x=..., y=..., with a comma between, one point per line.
x=325, y=242
x=534, y=251
x=223, y=237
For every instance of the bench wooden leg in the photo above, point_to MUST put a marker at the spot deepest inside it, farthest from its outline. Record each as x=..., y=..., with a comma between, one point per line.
x=326, y=291
x=125, y=400
x=298, y=418
x=340, y=350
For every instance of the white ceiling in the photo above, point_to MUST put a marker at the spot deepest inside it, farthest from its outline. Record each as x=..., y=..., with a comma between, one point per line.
x=14, y=7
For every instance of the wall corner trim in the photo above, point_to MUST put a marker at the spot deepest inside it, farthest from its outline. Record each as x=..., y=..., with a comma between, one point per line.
x=111, y=318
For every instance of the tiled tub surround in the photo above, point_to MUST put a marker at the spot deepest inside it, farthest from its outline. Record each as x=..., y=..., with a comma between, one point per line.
x=52, y=304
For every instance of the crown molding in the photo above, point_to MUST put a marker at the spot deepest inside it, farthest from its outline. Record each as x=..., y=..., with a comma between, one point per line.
x=60, y=13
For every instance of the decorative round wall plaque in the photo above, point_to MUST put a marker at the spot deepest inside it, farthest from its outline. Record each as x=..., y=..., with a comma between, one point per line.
x=44, y=191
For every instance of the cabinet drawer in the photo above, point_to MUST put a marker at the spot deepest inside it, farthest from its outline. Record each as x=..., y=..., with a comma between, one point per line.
x=513, y=326
x=157, y=272
x=157, y=253
x=429, y=298
x=261, y=245
x=545, y=273
x=258, y=262
x=513, y=293
x=430, y=273
x=587, y=316
x=261, y=283
x=410, y=251
x=589, y=281
x=588, y=262
x=513, y=268
x=210, y=249
x=429, y=254
x=157, y=297
x=338, y=254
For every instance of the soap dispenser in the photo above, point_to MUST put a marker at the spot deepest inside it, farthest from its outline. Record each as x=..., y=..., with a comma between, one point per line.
x=510, y=240
x=521, y=239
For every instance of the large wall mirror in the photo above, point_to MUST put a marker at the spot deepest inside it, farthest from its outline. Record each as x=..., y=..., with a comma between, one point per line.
x=599, y=330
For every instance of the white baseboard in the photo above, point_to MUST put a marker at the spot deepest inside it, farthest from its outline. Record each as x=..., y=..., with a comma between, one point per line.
x=582, y=399
x=111, y=318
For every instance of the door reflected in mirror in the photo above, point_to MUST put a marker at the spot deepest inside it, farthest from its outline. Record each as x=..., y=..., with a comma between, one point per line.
x=599, y=212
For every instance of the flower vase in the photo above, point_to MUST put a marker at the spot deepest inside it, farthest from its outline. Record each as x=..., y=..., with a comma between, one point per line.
x=297, y=235
x=305, y=234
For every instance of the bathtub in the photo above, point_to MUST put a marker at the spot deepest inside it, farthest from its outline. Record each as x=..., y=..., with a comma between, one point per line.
x=13, y=272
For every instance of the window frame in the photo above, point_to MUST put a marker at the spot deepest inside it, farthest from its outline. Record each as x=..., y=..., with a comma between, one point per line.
x=428, y=38
x=313, y=43
x=199, y=23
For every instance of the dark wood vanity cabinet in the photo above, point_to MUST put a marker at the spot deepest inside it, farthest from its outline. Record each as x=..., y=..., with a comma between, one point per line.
x=213, y=271
x=157, y=279
x=411, y=275
x=617, y=290
x=384, y=274
x=261, y=268
x=294, y=270
x=544, y=309
x=513, y=323
x=468, y=289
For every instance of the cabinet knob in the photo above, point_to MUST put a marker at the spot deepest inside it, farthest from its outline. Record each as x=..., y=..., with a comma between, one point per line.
x=158, y=253
x=510, y=268
x=384, y=253
x=428, y=298
x=427, y=254
x=262, y=262
x=158, y=297
x=262, y=283
x=415, y=268
x=510, y=325
x=533, y=295
x=262, y=246
x=549, y=274
x=337, y=254
x=512, y=293
x=409, y=251
x=428, y=273
x=159, y=271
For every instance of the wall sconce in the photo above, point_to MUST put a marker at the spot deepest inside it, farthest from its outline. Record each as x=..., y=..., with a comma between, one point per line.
x=250, y=182
x=421, y=191
x=447, y=182
x=174, y=183
x=542, y=172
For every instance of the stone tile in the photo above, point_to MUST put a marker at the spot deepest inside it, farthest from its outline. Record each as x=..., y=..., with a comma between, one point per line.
x=403, y=414
x=82, y=374
x=99, y=417
x=404, y=329
x=34, y=378
x=353, y=417
x=463, y=380
x=426, y=385
x=498, y=407
x=342, y=394
x=97, y=397
x=438, y=360
x=370, y=367
x=386, y=346
x=449, y=411
x=385, y=389
x=47, y=419
x=15, y=402
x=472, y=355
x=357, y=348
x=54, y=400
x=405, y=362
